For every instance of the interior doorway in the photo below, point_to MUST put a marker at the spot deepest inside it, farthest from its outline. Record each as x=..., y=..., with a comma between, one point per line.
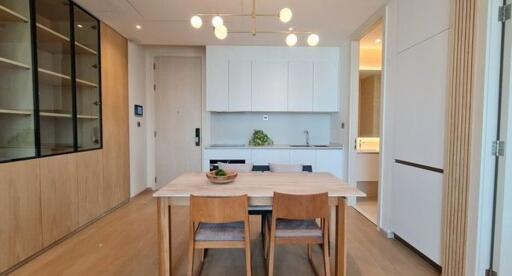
x=178, y=101
x=365, y=154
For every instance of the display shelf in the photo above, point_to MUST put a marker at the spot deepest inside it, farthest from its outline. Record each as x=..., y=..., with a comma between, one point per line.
x=48, y=39
x=15, y=112
x=81, y=49
x=11, y=64
x=53, y=114
x=92, y=117
x=8, y=15
x=53, y=78
x=84, y=83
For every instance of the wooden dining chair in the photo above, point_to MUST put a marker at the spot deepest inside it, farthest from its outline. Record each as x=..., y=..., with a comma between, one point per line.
x=293, y=221
x=219, y=222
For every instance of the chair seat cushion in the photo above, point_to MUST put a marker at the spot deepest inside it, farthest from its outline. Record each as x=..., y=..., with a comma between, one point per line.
x=286, y=228
x=220, y=232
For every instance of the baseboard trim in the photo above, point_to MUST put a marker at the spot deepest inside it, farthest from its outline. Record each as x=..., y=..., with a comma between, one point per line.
x=423, y=256
x=59, y=241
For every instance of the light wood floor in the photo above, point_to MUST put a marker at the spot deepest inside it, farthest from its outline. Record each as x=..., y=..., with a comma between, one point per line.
x=125, y=243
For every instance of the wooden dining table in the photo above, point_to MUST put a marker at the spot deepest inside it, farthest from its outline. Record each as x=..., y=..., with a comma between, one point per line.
x=259, y=188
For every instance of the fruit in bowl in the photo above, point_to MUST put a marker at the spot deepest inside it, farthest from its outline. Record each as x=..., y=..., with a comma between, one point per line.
x=221, y=176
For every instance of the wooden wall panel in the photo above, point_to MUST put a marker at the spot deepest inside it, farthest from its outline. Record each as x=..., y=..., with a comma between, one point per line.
x=456, y=183
x=59, y=196
x=90, y=184
x=20, y=212
x=114, y=74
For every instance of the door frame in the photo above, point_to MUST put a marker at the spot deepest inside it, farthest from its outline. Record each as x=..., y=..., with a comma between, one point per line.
x=170, y=51
x=380, y=15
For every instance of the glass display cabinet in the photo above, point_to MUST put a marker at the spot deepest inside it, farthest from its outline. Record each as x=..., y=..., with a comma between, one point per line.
x=50, y=84
x=17, y=112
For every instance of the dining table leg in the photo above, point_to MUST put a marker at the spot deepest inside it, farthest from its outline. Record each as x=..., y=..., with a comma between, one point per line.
x=341, y=238
x=164, y=236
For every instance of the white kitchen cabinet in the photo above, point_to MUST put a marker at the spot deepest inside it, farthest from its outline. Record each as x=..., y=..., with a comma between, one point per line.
x=239, y=85
x=266, y=156
x=217, y=66
x=325, y=91
x=269, y=86
x=304, y=157
x=330, y=161
x=300, y=86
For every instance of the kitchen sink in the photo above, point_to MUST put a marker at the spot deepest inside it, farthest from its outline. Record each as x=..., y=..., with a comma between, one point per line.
x=300, y=146
x=320, y=146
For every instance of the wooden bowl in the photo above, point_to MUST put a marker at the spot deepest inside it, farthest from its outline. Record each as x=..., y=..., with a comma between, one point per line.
x=228, y=178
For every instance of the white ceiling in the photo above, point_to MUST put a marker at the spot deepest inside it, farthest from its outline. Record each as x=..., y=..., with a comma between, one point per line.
x=166, y=22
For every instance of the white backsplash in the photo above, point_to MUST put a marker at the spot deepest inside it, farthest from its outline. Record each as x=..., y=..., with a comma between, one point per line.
x=283, y=128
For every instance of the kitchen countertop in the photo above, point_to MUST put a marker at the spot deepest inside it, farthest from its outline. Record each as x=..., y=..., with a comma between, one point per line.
x=234, y=146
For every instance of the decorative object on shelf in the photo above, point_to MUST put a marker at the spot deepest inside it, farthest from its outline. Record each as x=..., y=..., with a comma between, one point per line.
x=221, y=176
x=285, y=15
x=260, y=138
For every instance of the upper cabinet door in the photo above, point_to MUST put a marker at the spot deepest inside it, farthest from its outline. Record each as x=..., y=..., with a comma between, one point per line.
x=269, y=86
x=216, y=80
x=300, y=86
x=239, y=86
x=325, y=96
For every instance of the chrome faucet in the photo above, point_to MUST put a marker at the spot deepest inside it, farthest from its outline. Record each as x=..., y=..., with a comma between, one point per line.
x=306, y=133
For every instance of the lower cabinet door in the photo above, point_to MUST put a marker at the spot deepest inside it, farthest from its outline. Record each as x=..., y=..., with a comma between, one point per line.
x=267, y=156
x=59, y=196
x=303, y=157
x=330, y=161
x=90, y=182
x=20, y=212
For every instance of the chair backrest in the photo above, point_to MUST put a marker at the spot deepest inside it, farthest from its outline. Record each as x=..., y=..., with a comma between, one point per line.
x=300, y=207
x=285, y=168
x=241, y=168
x=218, y=209
x=266, y=168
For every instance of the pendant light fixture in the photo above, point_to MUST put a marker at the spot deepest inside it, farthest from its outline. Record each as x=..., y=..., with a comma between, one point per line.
x=284, y=15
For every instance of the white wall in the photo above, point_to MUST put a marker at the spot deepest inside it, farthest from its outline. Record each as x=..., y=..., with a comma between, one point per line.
x=137, y=95
x=283, y=128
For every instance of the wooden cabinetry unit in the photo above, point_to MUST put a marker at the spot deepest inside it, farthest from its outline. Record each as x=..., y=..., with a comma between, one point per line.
x=90, y=185
x=59, y=196
x=116, y=167
x=20, y=212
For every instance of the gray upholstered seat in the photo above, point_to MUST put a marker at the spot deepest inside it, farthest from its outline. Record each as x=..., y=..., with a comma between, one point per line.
x=296, y=228
x=233, y=231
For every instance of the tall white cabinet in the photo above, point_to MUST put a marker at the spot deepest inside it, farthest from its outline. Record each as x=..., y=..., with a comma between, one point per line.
x=273, y=79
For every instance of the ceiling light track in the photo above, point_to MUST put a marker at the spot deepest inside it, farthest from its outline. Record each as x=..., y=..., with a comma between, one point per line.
x=221, y=31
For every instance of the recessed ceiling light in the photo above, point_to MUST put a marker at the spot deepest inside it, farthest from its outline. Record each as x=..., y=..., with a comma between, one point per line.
x=378, y=40
x=80, y=26
x=138, y=27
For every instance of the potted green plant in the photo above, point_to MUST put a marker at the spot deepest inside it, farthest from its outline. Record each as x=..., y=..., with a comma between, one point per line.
x=260, y=138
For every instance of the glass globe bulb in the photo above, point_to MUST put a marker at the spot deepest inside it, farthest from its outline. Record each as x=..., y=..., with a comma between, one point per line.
x=217, y=21
x=285, y=15
x=291, y=40
x=313, y=40
x=196, y=22
x=221, y=32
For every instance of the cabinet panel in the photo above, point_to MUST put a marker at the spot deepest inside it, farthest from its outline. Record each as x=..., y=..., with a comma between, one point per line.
x=300, y=86
x=217, y=68
x=225, y=154
x=20, y=212
x=266, y=156
x=114, y=60
x=90, y=183
x=304, y=157
x=59, y=196
x=330, y=161
x=325, y=96
x=269, y=86
x=417, y=208
x=240, y=73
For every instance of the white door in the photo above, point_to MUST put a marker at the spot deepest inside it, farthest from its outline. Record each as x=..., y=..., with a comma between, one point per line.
x=502, y=255
x=178, y=83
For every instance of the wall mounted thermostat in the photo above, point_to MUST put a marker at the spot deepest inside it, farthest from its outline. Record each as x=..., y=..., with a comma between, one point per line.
x=138, y=110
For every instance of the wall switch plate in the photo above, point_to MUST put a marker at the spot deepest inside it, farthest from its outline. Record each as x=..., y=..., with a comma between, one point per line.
x=342, y=125
x=265, y=117
x=138, y=124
